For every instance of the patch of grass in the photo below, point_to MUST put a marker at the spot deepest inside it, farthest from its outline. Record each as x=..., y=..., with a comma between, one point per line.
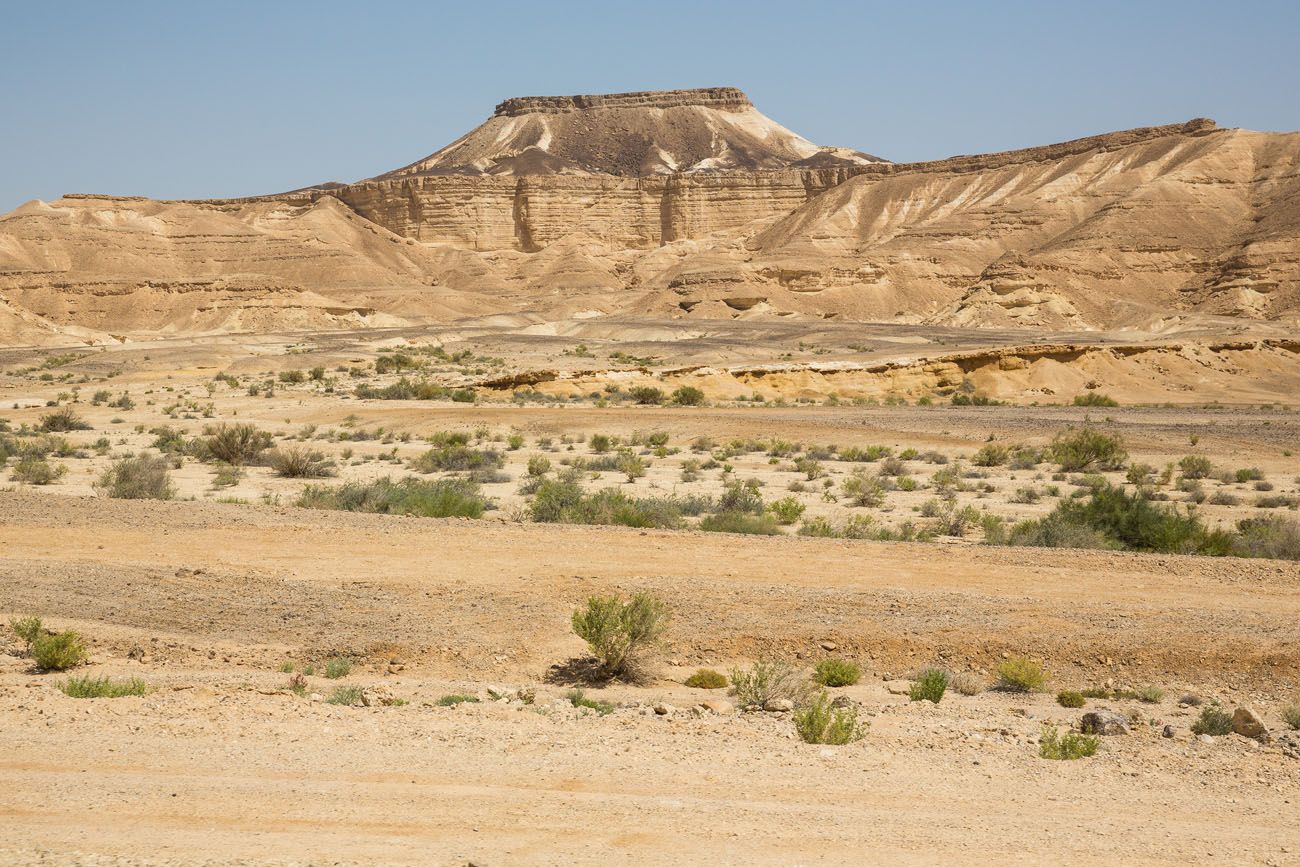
x=438, y=498
x=457, y=457
x=102, y=687
x=1213, y=720
x=768, y=680
x=578, y=698
x=143, y=477
x=339, y=666
x=740, y=522
x=820, y=722
x=837, y=672
x=707, y=678
x=1094, y=398
x=286, y=667
x=1149, y=694
x=622, y=635
x=1070, y=698
x=562, y=501
x=456, y=698
x=930, y=685
x=1291, y=715
x=1021, y=674
x=1066, y=747
x=348, y=696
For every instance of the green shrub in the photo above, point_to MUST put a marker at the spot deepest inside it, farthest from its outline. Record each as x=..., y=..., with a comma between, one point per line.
x=768, y=680
x=646, y=394
x=837, y=672
x=739, y=522
x=457, y=458
x=820, y=722
x=143, y=477
x=630, y=465
x=337, y=667
x=456, y=698
x=1213, y=720
x=1094, y=398
x=863, y=490
x=236, y=444
x=786, y=510
x=991, y=455
x=562, y=501
x=599, y=443
x=439, y=498
x=1291, y=715
x=1149, y=694
x=578, y=698
x=34, y=470
x=57, y=652
x=742, y=497
x=707, y=678
x=1084, y=448
x=538, y=466
x=1070, y=698
x=1275, y=537
x=688, y=395
x=1021, y=674
x=622, y=635
x=62, y=420
x=348, y=696
x=295, y=462
x=102, y=687
x=1195, y=467
x=27, y=628
x=1065, y=747
x=930, y=685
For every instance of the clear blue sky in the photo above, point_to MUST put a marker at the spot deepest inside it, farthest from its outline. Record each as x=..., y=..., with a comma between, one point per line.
x=180, y=99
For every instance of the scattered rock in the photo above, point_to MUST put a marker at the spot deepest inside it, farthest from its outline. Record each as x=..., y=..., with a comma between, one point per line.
x=1104, y=722
x=898, y=687
x=1205, y=739
x=1290, y=744
x=829, y=646
x=718, y=706
x=1247, y=723
x=1167, y=731
x=779, y=705
x=664, y=709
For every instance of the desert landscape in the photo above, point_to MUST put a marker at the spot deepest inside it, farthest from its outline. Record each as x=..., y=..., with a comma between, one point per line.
x=635, y=480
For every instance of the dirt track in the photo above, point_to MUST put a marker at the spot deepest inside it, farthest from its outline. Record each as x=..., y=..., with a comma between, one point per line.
x=218, y=764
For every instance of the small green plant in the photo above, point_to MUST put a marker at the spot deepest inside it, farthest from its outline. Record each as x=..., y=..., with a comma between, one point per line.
x=1021, y=674
x=102, y=687
x=786, y=510
x=338, y=667
x=707, y=678
x=1070, y=698
x=1065, y=747
x=1291, y=715
x=768, y=680
x=820, y=722
x=1076, y=449
x=57, y=652
x=578, y=698
x=27, y=628
x=1213, y=720
x=836, y=672
x=456, y=698
x=298, y=685
x=622, y=635
x=688, y=395
x=36, y=470
x=1094, y=398
x=236, y=444
x=348, y=696
x=286, y=667
x=930, y=685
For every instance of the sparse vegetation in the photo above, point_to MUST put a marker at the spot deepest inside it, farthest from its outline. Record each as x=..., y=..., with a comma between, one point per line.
x=1066, y=747
x=1076, y=449
x=768, y=680
x=338, y=666
x=296, y=462
x=1021, y=674
x=62, y=420
x=235, y=444
x=1213, y=720
x=1291, y=715
x=439, y=498
x=57, y=652
x=707, y=678
x=102, y=687
x=347, y=696
x=142, y=477
x=456, y=698
x=819, y=722
x=836, y=672
x=578, y=698
x=930, y=685
x=622, y=635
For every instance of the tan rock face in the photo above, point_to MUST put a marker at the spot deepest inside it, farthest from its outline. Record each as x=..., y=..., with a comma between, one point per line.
x=689, y=204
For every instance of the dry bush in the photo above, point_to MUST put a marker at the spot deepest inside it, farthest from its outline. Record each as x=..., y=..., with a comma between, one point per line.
x=296, y=462
x=768, y=680
x=143, y=477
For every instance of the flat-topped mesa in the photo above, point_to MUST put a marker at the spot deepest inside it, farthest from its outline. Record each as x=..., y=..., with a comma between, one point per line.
x=720, y=98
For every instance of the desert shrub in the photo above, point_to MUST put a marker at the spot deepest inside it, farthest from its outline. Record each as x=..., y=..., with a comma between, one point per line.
x=836, y=672
x=930, y=685
x=562, y=501
x=348, y=696
x=1066, y=747
x=236, y=444
x=688, y=395
x=1224, y=498
x=622, y=635
x=1291, y=715
x=707, y=678
x=1070, y=698
x=1021, y=674
x=1213, y=720
x=738, y=496
x=538, y=466
x=1274, y=537
x=1248, y=474
x=1027, y=495
x=578, y=698
x=954, y=520
x=440, y=498
x=292, y=376
x=863, y=490
x=34, y=470
x=338, y=666
x=102, y=687
x=143, y=477
x=1195, y=467
x=630, y=465
x=456, y=698
x=740, y=522
x=455, y=458
x=646, y=394
x=991, y=455
x=810, y=467
x=768, y=680
x=62, y=420
x=295, y=462
x=786, y=510
x=820, y=722
x=1084, y=448
x=27, y=628
x=966, y=683
x=57, y=652
x=1276, y=501
x=1094, y=398
x=407, y=389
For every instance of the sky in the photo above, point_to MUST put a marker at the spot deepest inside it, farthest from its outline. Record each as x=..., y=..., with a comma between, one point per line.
x=197, y=100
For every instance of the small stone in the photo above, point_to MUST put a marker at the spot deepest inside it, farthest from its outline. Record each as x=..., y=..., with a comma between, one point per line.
x=898, y=687
x=718, y=706
x=779, y=705
x=1205, y=739
x=1167, y=731
x=664, y=709
x=1247, y=723
x=316, y=696
x=1104, y=722
x=829, y=646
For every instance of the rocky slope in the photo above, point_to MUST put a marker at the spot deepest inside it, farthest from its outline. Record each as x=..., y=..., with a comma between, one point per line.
x=690, y=204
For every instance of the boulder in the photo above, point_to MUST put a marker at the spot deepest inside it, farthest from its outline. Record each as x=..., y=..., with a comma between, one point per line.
x=718, y=706
x=779, y=705
x=1247, y=723
x=1104, y=722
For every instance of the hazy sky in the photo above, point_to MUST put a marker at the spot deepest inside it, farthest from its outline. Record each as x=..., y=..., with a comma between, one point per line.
x=178, y=99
